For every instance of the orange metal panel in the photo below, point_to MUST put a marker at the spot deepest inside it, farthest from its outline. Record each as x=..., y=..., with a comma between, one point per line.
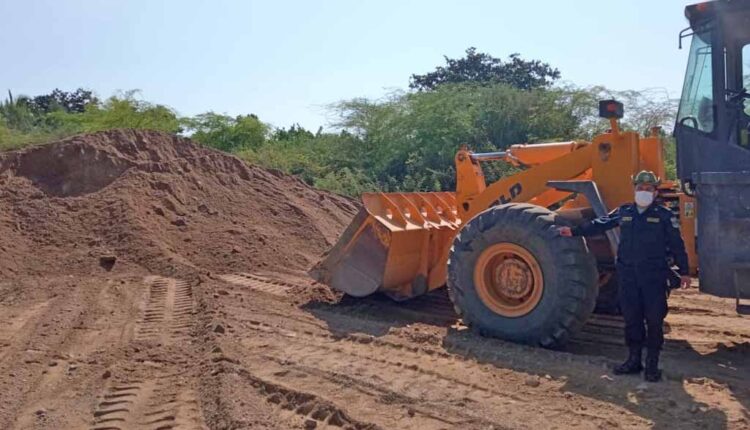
x=651, y=155
x=613, y=164
x=469, y=177
x=416, y=229
x=404, y=259
x=539, y=153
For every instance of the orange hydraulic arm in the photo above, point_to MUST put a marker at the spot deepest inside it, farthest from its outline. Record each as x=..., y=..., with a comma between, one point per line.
x=474, y=196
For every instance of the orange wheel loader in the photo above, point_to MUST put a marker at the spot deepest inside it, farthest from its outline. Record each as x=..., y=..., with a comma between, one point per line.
x=495, y=246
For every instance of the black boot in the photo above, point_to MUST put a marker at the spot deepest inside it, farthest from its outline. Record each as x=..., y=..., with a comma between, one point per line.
x=652, y=373
x=632, y=364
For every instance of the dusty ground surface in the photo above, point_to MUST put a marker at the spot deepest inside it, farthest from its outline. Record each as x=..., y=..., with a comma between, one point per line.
x=223, y=330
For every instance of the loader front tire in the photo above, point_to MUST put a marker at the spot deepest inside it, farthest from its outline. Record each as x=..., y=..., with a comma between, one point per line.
x=512, y=276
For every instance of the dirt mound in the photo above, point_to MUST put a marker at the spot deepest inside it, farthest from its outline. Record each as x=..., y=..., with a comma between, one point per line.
x=157, y=201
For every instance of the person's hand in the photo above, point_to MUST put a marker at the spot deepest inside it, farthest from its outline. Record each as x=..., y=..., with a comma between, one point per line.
x=684, y=281
x=565, y=231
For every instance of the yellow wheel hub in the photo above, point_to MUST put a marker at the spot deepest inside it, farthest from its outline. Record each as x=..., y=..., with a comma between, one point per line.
x=508, y=279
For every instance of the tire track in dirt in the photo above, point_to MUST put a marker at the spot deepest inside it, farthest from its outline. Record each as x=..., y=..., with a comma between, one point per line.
x=155, y=393
x=167, y=311
x=314, y=411
x=120, y=403
x=403, y=375
x=419, y=358
x=183, y=307
x=429, y=412
x=149, y=403
x=15, y=327
x=318, y=347
x=46, y=374
x=435, y=308
x=259, y=283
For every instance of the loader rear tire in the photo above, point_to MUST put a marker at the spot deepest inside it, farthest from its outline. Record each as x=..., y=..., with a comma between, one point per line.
x=512, y=276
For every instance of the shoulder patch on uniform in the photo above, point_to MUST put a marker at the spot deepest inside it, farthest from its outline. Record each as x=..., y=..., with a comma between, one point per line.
x=666, y=212
x=675, y=222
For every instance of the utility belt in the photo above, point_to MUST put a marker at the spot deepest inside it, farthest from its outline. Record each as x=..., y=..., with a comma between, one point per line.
x=673, y=276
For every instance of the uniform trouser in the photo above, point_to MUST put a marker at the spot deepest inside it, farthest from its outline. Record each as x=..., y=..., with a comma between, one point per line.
x=643, y=298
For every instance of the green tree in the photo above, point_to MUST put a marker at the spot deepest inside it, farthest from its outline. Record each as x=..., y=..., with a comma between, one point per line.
x=15, y=113
x=295, y=132
x=478, y=67
x=70, y=102
x=330, y=161
x=408, y=140
x=346, y=182
x=123, y=111
x=228, y=133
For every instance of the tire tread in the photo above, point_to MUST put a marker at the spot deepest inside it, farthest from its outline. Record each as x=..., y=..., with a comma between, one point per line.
x=577, y=272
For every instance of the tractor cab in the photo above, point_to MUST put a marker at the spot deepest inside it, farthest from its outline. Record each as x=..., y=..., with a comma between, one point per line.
x=713, y=141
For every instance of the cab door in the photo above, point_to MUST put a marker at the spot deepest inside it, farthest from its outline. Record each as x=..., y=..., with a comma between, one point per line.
x=713, y=146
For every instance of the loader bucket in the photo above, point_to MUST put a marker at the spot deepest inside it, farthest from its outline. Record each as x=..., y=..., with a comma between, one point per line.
x=397, y=244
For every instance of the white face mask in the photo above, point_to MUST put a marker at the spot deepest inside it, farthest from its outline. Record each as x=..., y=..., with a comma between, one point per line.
x=644, y=198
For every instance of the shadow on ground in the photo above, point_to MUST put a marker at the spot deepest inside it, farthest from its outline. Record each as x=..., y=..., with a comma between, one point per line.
x=584, y=365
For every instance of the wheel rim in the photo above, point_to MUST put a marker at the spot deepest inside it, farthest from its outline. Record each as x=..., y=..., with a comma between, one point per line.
x=508, y=279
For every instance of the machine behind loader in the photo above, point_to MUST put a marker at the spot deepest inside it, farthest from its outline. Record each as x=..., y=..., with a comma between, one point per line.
x=508, y=272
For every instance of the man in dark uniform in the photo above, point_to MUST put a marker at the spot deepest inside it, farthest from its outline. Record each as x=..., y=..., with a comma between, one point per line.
x=649, y=233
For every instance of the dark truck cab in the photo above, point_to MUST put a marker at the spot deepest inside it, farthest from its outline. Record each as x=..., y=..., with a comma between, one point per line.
x=713, y=142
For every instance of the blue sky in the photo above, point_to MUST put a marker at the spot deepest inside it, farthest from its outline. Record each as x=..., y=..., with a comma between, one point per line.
x=286, y=60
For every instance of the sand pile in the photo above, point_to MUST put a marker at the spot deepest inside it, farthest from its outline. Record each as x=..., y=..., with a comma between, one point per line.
x=160, y=202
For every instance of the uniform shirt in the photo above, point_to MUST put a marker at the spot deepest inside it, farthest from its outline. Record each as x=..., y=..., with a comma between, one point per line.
x=646, y=238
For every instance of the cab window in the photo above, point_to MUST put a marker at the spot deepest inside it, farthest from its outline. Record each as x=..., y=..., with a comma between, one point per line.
x=697, y=101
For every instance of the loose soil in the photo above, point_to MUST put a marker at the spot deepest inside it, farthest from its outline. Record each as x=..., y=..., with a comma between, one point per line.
x=149, y=283
x=159, y=202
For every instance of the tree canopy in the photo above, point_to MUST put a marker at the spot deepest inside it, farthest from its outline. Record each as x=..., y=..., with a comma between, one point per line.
x=481, y=68
x=70, y=102
x=228, y=133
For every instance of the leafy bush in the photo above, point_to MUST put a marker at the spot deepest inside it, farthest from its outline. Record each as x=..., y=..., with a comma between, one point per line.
x=408, y=140
x=226, y=133
x=25, y=120
x=122, y=111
